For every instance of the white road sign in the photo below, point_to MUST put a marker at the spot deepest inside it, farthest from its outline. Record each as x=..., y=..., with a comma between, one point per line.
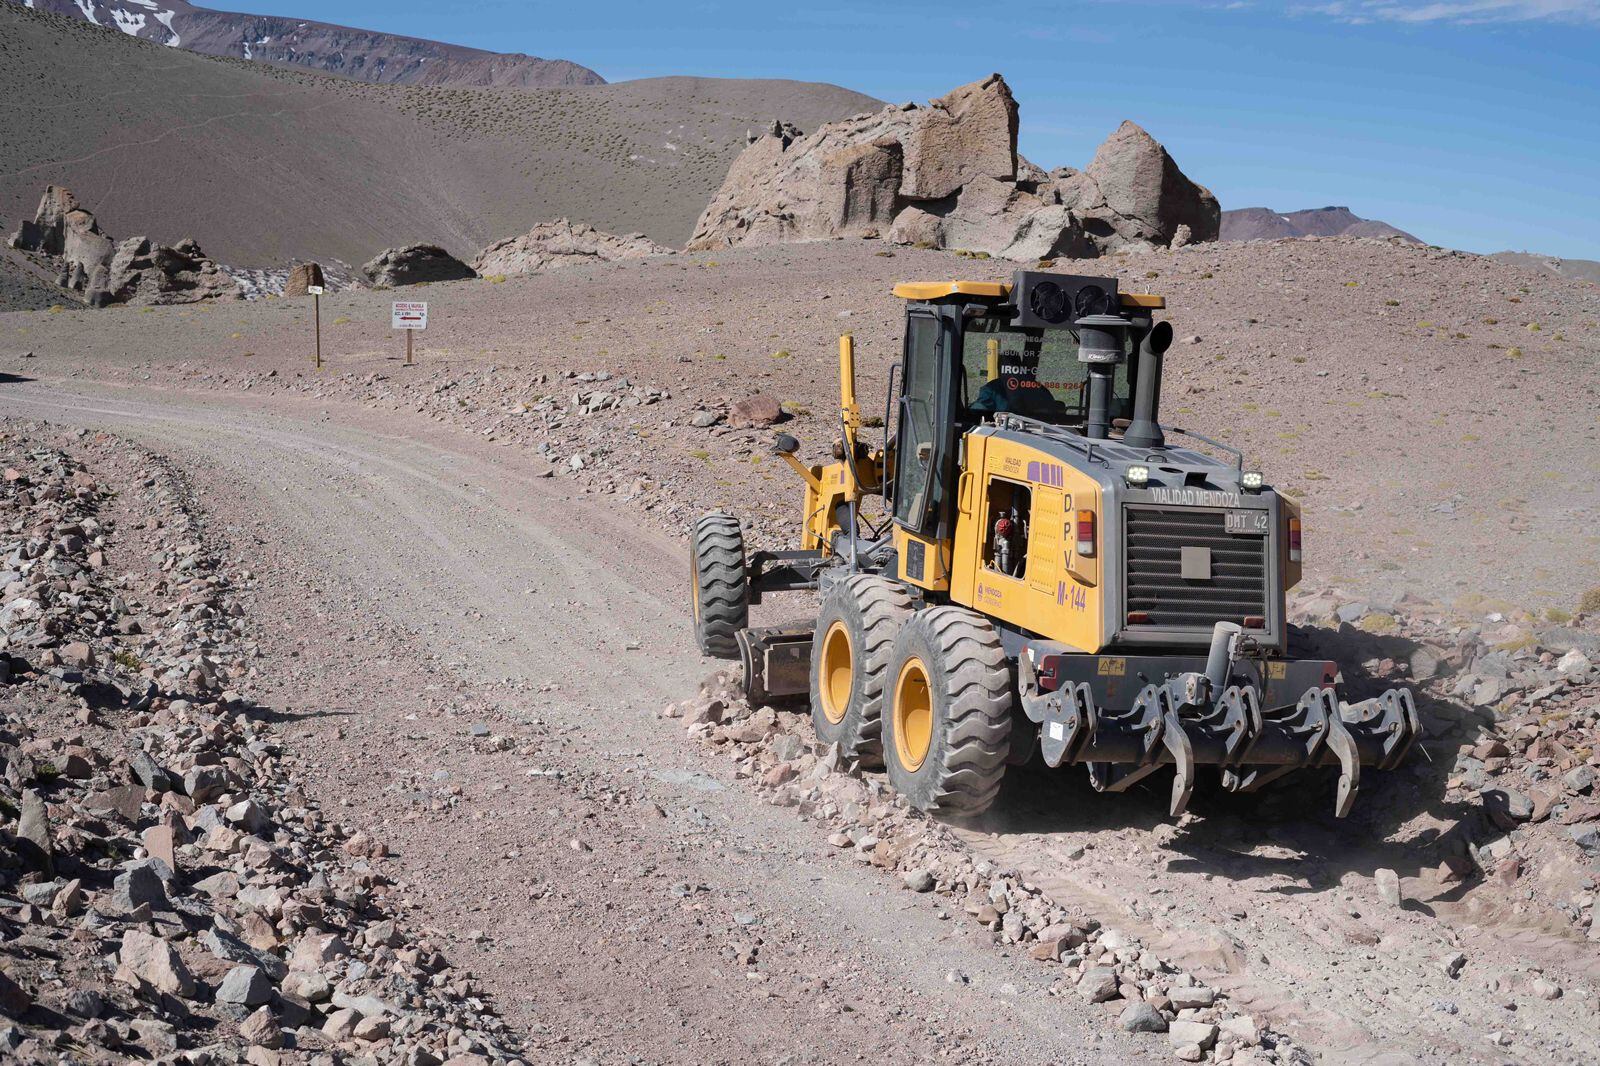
x=314, y=290
x=409, y=314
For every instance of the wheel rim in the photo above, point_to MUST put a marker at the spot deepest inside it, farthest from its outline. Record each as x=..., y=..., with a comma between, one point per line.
x=913, y=715
x=837, y=673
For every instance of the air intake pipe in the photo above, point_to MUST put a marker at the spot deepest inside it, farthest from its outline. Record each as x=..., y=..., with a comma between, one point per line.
x=1144, y=431
x=1100, y=346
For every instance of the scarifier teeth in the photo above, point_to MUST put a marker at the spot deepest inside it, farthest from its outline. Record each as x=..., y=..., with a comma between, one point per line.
x=1253, y=747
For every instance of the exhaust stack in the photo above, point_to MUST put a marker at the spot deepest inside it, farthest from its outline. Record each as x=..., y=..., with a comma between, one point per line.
x=1144, y=431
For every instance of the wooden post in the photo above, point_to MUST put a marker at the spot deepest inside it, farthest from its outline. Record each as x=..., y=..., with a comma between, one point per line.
x=316, y=314
x=409, y=332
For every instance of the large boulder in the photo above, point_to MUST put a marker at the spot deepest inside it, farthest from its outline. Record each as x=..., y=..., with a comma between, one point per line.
x=858, y=188
x=414, y=264
x=561, y=243
x=1143, y=195
x=968, y=133
x=851, y=177
x=302, y=276
x=45, y=233
x=948, y=176
x=144, y=272
x=997, y=217
x=69, y=235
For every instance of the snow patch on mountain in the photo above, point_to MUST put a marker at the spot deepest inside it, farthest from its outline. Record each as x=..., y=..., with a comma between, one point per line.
x=165, y=18
x=127, y=22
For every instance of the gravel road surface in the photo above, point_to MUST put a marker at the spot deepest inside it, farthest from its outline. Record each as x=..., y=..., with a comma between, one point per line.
x=605, y=879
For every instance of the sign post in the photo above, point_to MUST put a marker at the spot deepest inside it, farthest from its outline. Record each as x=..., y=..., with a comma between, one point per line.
x=316, y=315
x=410, y=316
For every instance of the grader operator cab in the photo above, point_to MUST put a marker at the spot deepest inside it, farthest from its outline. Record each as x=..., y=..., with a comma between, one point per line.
x=1051, y=573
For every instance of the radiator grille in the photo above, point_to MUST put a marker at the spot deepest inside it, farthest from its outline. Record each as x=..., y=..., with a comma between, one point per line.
x=1154, y=539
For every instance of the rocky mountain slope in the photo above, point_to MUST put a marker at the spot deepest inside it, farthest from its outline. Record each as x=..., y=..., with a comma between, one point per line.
x=1330, y=221
x=1263, y=223
x=163, y=141
x=364, y=55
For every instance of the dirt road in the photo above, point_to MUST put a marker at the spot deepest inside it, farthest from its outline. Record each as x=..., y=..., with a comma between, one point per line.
x=471, y=662
x=471, y=659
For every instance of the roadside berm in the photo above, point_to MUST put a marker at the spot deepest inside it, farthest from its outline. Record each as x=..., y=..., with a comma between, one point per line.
x=168, y=891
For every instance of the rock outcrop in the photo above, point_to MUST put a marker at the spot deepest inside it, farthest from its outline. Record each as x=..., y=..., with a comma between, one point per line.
x=68, y=235
x=103, y=271
x=948, y=176
x=144, y=272
x=561, y=243
x=414, y=264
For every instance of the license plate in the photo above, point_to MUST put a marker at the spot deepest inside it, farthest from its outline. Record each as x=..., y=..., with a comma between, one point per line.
x=1249, y=523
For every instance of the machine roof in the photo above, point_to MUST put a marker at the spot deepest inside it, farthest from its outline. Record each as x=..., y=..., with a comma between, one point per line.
x=934, y=290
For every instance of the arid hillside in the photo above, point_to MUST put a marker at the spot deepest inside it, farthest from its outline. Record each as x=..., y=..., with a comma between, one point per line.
x=261, y=164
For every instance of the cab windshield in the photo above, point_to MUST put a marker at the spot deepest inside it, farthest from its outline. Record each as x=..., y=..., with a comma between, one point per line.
x=1031, y=372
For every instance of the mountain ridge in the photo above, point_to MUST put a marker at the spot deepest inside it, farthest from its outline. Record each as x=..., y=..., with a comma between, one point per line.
x=358, y=54
x=1265, y=224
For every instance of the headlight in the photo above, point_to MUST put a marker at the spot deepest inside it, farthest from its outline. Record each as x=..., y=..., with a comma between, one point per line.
x=1137, y=476
x=1252, y=480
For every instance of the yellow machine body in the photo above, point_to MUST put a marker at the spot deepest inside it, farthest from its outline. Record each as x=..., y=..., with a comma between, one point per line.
x=1057, y=595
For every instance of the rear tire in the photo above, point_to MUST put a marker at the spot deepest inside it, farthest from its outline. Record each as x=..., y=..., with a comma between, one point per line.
x=720, y=586
x=947, y=717
x=856, y=628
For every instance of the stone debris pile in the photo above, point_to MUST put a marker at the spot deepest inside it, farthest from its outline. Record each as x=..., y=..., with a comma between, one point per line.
x=562, y=243
x=1512, y=700
x=167, y=890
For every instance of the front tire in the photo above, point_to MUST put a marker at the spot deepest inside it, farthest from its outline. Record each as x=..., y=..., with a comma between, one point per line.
x=947, y=718
x=719, y=584
x=856, y=628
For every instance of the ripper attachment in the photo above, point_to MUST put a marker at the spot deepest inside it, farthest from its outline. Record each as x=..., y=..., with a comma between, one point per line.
x=1198, y=719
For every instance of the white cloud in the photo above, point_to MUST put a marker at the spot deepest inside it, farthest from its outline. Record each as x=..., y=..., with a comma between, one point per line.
x=1462, y=12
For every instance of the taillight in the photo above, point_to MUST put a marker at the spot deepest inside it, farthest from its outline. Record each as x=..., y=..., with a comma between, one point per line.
x=1255, y=621
x=1138, y=618
x=1294, y=540
x=1086, y=533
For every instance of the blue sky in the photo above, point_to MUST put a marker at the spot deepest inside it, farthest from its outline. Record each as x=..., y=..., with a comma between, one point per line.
x=1472, y=123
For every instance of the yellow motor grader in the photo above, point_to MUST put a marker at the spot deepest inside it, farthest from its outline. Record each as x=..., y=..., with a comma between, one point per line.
x=1050, y=573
